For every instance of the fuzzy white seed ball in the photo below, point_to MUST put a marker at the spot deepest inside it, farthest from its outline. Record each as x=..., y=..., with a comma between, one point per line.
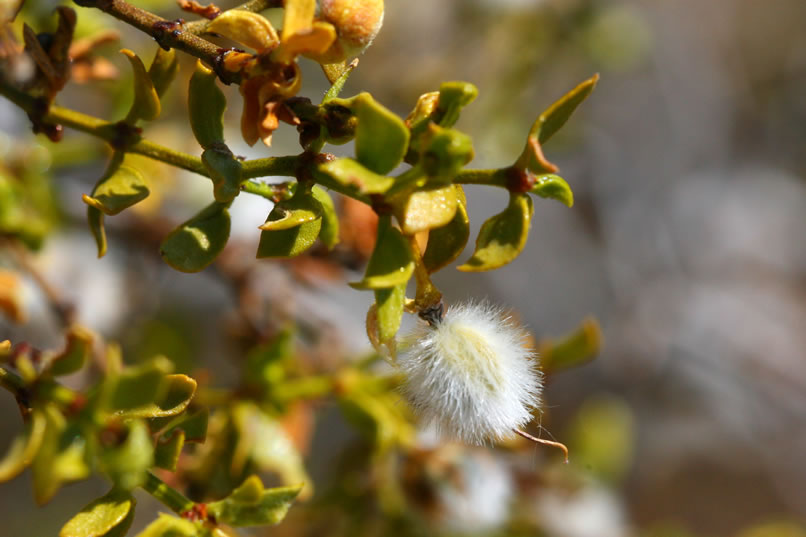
x=471, y=374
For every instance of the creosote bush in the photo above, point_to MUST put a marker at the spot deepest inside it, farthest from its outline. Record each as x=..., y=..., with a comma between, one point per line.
x=469, y=368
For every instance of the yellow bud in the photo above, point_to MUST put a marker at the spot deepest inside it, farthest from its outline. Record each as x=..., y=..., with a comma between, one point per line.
x=357, y=22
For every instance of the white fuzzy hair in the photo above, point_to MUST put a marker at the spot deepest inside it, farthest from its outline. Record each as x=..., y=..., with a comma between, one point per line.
x=472, y=374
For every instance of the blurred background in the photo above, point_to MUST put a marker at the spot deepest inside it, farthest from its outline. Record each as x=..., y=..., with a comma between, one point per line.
x=686, y=242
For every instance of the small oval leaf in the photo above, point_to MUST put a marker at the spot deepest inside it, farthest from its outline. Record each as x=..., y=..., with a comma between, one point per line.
x=574, y=349
x=381, y=138
x=95, y=220
x=178, y=391
x=503, y=236
x=76, y=352
x=252, y=505
x=163, y=70
x=391, y=263
x=446, y=243
x=112, y=511
x=170, y=526
x=389, y=304
x=195, y=244
x=553, y=187
x=453, y=96
x=426, y=209
x=127, y=463
x=350, y=173
x=206, y=105
x=168, y=448
x=300, y=221
x=558, y=113
x=146, y=103
x=121, y=187
x=24, y=447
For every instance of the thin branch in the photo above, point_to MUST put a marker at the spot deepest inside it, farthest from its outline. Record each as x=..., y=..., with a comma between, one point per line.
x=169, y=496
x=169, y=34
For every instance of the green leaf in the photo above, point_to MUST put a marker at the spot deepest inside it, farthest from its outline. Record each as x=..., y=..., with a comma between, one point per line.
x=389, y=303
x=558, y=113
x=265, y=364
x=76, y=352
x=168, y=448
x=24, y=447
x=110, y=515
x=61, y=458
x=553, y=187
x=163, y=70
x=381, y=138
x=252, y=505
x=138, y=386
x=95, y=220
x=576, y=348
x=329, y=235
x=292, y=226
x=453, y=96
x=503, y=236
x=194, y=425
x=126, y=464
x=381, y=417
x=391, y=263
x=206, y=104
x=446, y=243
x=338, y=84
x=170, y=526
x=426, y=209
x=120, y=187
x=179, y=390
x=349, y=173
x=225, y=172
x=195, y=244
x=146, y=103
x=445, y=152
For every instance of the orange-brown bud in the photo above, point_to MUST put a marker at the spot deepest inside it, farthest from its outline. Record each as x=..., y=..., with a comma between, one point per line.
x=357, y=22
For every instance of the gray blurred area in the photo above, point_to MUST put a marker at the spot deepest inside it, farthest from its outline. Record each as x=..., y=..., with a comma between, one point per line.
x=687, y=239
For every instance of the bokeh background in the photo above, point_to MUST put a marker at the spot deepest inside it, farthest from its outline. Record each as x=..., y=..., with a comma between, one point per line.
x=686, y=242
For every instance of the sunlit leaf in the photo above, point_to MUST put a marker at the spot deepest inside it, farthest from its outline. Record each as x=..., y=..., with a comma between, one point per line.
x=76, y=352
x=446, y=243
x=61, y=458
x=389, y=304
x=350, y=173
x=576, y=348
x=381, y=138
x=250, y=29
x=120, y=187
x=110, y=515
x=225, y=172
x=553, y=187
x=95, y=220
x=444, y=153
x=453, y=96
x=329, y=234
x=126, y=463
x=252, y=505
x=196, y=243
x=558, y=113
x=503, y=236
x=178, y=391
x=138, y=386
x=146, y=103
x=170, y=526
x=426, y=209
x=206, y=105
x=168, y=448
x=294, y=225
x=163, y=69
x=392, y=261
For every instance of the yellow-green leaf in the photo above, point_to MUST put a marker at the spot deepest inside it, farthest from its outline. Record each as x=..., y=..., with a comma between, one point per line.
x=76, y=352
x=558, y=113
x=250, y=29
x=120, y=187
x=61, y=457
x=225, y=172
x=194, y=425
x=24, y=447
x=168, y=448
x=195, y=244
x=381, y=138
x=350, y=173
x=163, y=70
x=329, y=234
x=127, y=463
x=206, y=105
x=139, y=386
x=146, y=103
x=252, y=505
x=553, y=187
x=391, y=263
x=453, y=96
x=389, y=304
x=108, y=516
x=444, y=153
x=95, y=220
x=426, y=209
x=292, y=226
x=446, y=243
x=503, y=236
x=576, y=348
x=170, y=526
x=178, y=391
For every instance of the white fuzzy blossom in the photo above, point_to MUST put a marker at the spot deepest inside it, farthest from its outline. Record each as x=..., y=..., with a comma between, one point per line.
x=472, y=374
